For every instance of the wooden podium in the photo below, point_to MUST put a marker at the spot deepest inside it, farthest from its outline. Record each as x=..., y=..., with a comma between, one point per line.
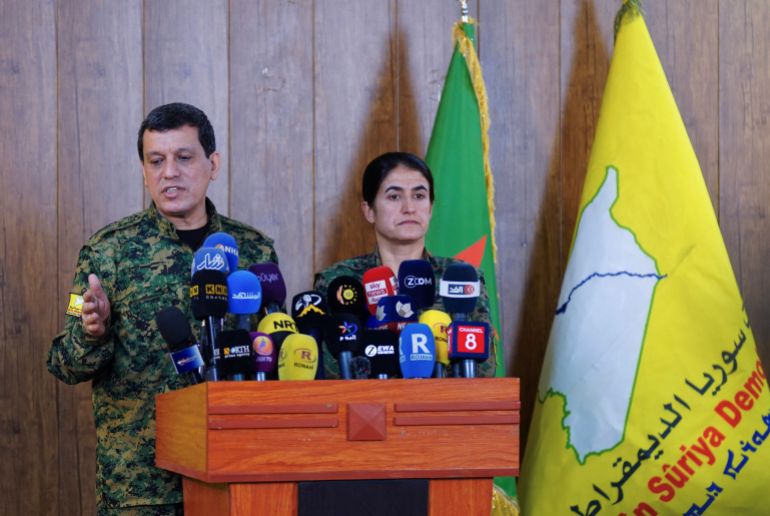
x=242, y=447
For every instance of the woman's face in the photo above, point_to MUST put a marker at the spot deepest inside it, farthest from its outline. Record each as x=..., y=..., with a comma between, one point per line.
x=402, y=208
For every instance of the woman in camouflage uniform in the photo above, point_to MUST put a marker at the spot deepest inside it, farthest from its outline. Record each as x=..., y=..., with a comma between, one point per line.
x=397, y=191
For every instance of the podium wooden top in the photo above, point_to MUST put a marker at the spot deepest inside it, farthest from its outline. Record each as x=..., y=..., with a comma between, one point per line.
x=335, y=429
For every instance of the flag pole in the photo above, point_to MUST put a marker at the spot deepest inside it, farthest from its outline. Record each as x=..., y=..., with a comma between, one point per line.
x=464, y=11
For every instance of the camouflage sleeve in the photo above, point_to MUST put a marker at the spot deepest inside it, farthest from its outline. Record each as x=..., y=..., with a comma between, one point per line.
x=321, y=283
x=74, y=356
x=481, y=314
x=347, y=267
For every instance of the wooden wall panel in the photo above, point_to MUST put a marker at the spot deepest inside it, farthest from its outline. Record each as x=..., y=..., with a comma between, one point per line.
x=271, y=99
x=99, y=181
x=744, y=144
x=586, y=48
x=28, y=426
x=186, y=60
x=355, y=117
x=424, y=47
x=686, y=36
x=523, y=90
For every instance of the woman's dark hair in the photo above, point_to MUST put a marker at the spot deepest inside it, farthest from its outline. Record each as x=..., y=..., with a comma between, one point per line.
x=379, y=168
x=176, y=115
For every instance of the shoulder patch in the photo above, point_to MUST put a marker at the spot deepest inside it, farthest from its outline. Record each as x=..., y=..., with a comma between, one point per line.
x=75, y=305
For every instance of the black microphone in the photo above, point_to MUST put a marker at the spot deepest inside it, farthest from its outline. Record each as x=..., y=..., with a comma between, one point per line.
x=342, y=339
x=468, y=344
x=235, y=354
x=381, y=348
x=184, y=351
x=208, y=300
x=459, y=289
x=416, y=280
x=309, y=311
x=345, y=295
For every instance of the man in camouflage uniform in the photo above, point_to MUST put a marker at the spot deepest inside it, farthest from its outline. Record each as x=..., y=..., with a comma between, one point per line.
x=356, y=267
x=125, y=274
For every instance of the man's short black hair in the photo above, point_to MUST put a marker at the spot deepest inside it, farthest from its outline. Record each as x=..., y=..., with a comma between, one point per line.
x=173, y=116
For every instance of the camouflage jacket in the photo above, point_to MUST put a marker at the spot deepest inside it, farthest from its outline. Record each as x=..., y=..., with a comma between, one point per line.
x=143, y=266
x=356, y=267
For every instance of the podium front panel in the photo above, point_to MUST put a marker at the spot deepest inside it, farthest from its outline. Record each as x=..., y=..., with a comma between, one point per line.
x=337, y=430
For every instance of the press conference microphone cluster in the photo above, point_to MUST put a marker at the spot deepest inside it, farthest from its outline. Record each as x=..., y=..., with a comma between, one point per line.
x=384, y=325
x=217, y=288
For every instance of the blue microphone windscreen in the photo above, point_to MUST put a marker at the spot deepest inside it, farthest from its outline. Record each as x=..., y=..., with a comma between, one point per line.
x=244, y=293
x=416, y=279
x=227, y=244
x=395, y=309
x=417, y=351
x=210, y=259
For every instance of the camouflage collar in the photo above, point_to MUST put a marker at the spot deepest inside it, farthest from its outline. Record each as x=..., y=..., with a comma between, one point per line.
x=378, y=261
x=168, y=229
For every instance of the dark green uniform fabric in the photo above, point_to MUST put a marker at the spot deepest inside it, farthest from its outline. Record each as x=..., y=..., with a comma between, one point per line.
x=356, y=267
x=143, y=266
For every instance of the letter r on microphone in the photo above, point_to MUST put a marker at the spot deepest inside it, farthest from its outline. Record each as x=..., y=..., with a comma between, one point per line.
x=418, y=343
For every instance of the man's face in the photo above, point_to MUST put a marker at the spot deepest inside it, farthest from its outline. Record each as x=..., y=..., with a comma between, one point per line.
x=402, y=208
x=177, y=174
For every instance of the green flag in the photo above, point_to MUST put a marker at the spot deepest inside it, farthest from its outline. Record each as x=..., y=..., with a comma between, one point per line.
x=458, y=155
x=463, y=219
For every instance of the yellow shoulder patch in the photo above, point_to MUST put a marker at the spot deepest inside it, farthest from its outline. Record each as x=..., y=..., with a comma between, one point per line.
x=75, y=306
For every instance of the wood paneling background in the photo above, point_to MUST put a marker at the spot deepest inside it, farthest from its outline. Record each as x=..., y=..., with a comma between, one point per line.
x=302, y=93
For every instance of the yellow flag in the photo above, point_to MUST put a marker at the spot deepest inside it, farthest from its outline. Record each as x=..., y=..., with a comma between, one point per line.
x=652, y=399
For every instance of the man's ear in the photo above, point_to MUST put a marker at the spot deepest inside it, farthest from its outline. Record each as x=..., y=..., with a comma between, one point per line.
x=214, y=160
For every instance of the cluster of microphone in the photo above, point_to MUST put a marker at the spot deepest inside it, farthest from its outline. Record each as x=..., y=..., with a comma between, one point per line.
x=383, y=326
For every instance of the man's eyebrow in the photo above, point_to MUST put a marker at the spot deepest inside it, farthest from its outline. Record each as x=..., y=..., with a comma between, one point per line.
x=176, y=151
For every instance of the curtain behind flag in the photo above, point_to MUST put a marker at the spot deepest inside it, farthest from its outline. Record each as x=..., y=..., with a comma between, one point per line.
x=462, y=224
x=652, y=399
